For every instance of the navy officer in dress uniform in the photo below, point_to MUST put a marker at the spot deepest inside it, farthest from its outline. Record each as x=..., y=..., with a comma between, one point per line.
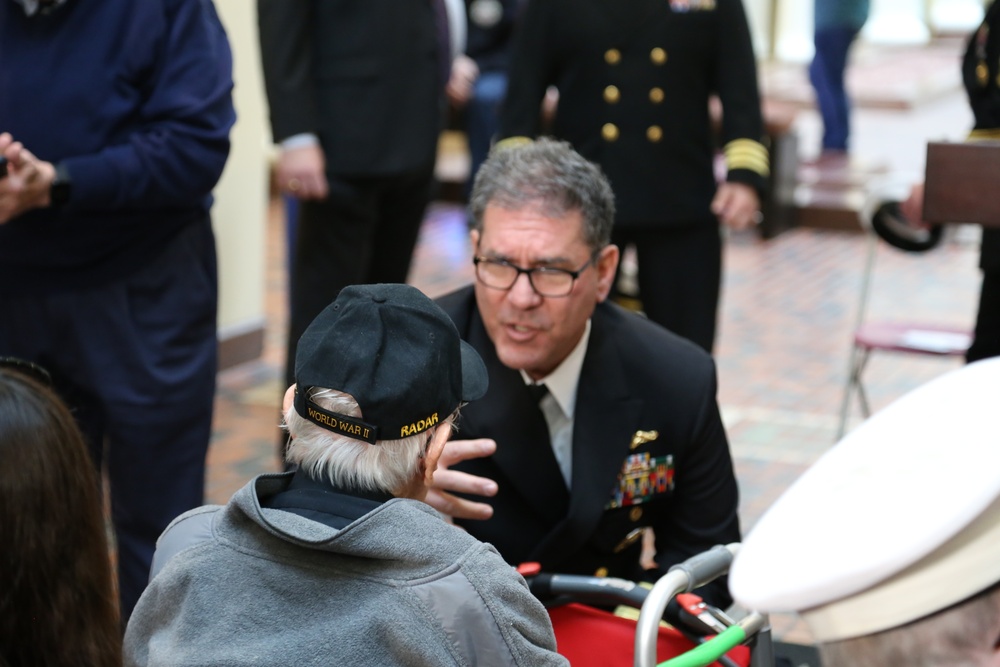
x=634, y=81
x=626, y=434
x=981, y=78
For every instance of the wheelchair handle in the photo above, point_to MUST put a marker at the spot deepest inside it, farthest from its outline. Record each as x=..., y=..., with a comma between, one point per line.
x=681, y=578
x=589, y=590
x=706, y=566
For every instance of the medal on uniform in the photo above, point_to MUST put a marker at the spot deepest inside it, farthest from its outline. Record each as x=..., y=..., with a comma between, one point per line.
x=691, y=5
x=485, y=13
x=642, y=437
x=982, y=70
x=642, y=478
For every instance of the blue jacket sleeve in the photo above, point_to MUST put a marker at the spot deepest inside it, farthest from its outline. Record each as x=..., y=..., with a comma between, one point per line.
x=175, y=154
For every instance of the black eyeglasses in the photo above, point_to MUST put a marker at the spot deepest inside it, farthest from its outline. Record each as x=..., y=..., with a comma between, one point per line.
x=29, y=368
x=545, y=280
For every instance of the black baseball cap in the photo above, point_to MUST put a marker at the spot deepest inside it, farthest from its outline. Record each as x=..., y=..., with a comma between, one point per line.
x=396, y=353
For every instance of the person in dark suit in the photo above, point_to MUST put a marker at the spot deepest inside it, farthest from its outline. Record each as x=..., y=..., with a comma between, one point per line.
x=981, y=78
x=629, y=435
x=355, y=89
x=635, y=80
x=478, y=79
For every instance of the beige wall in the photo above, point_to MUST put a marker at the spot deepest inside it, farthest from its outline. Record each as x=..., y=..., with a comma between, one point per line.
x=241, y=197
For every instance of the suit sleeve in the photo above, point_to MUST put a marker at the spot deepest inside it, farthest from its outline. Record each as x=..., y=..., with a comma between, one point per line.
x=736, y=84
x=531, y=72
x=177, y=154
x=286, y=46
x=704, y=508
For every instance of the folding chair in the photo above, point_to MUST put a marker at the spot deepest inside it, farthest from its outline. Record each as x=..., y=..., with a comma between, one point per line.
x=908, y=338
x=901, y=337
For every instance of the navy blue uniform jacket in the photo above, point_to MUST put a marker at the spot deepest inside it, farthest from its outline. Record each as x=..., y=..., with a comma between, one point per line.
x=636, y=376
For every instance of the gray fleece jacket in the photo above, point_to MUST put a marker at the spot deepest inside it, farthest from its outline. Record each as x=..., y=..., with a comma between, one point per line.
x=398, y=586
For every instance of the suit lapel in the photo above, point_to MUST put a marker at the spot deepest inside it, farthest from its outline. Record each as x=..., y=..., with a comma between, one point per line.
x=516, y=422
x=604, y=421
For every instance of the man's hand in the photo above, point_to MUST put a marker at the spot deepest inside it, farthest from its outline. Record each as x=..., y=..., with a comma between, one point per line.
x=301, y=173
x=27, y=183
x=464, y=73
x=912, y=207
x=736, y=205
x=446, y=481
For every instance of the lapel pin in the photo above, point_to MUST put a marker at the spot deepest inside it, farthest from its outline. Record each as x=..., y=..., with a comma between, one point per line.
x=642, y=437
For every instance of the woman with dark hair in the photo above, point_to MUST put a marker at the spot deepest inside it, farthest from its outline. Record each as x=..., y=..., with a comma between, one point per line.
x=57, y=596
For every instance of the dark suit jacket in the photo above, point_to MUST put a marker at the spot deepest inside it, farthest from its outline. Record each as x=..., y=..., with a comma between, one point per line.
x=643, y=72
x=984, y=100
x=361, y=74
x=636, y=376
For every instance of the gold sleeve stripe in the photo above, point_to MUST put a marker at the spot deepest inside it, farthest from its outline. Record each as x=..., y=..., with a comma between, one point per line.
x=979, y=135
x=511, y=142
x=747, y=154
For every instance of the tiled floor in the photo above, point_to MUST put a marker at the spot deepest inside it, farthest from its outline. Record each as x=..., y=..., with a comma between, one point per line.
x=789, y=307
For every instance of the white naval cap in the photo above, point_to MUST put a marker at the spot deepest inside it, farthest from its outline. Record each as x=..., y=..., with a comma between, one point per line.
x=897, y=521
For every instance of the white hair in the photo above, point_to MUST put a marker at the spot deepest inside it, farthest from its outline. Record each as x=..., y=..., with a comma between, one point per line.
x=350, y=464
x=963, y=635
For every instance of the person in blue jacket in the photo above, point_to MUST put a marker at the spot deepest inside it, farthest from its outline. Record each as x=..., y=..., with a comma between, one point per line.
x=114, y=120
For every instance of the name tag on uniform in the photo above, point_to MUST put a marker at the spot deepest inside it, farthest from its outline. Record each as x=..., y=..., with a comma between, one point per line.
x=642, y=477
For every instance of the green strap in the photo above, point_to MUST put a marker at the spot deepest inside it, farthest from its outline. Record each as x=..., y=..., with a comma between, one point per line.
x=710, y=651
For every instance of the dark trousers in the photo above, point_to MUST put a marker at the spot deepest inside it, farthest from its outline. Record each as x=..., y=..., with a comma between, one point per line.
x=986, y=341
x=363, y=233
x=136, y=361
x=826, y=72
x=482, y=119
x=680, y=274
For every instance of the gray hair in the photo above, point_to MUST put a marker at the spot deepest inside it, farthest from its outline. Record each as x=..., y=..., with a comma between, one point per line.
x=350, y=464
x=550, y=175
x=962, y=635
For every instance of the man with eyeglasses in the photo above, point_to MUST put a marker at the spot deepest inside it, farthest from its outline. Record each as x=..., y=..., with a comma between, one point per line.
x=598, y=423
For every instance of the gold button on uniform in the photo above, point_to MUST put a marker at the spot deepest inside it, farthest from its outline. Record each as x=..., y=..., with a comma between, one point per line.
x=654, y=133
x=611, y=94
x=612, y=56
x=601, y=572
x=656, y=95
x=609, y=131
x=635, y=513
x=658, y=56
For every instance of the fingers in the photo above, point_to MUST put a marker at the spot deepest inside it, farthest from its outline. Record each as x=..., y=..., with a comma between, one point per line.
x=462, y=80
x=15, y=153
x=26, y=184
x=446, y=482
x=913, y=206
x=463, y=450
x=463, y=482
x=458, y=93
x=464, y=68
x=737, y=206
x=301, y=173
x=458, y=508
